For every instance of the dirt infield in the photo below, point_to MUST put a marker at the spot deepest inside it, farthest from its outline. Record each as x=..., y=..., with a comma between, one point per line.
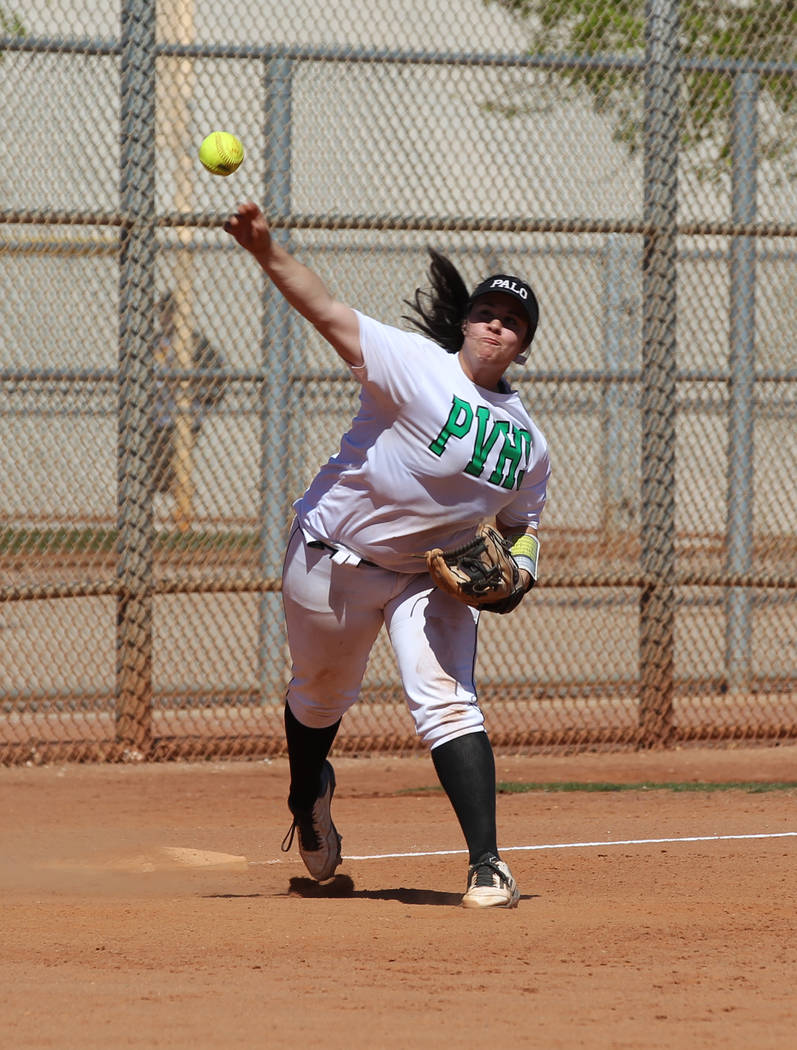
x=150, y=906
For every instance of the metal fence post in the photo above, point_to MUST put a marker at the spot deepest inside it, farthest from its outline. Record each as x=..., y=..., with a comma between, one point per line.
x=657, y=400
x=178, y=120
x=618, y=309
x=276, y=391
x=740, y=479
x=136, y=303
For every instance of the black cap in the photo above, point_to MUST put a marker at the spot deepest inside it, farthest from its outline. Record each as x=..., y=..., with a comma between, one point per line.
x=518, y=289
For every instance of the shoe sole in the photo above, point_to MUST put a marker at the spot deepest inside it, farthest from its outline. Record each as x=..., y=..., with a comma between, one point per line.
x=489, y=899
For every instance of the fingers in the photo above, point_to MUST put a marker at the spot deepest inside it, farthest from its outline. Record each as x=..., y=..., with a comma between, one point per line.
x=243, y=217
x=233, y=223
x=250, y=229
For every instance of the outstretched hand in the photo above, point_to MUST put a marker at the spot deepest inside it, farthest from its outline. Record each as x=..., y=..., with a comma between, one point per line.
x=250, y=229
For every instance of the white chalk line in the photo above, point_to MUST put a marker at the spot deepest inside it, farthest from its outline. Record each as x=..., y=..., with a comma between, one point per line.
x=565, y=845
x=588, y=845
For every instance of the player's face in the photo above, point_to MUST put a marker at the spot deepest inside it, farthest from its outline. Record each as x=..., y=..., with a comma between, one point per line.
x=495, y=330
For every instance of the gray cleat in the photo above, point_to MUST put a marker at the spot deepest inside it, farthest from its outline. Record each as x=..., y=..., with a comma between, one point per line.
x=319, y=841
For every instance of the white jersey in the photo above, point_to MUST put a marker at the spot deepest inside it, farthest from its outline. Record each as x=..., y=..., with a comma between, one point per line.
x=428, y=456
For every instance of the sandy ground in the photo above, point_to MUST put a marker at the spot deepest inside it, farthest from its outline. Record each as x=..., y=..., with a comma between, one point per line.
x=151, y=906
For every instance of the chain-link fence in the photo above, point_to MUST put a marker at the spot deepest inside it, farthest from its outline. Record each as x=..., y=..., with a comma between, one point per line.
x=160, y=408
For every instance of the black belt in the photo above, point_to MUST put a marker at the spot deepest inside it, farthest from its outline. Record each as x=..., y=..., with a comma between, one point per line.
x=320, y=545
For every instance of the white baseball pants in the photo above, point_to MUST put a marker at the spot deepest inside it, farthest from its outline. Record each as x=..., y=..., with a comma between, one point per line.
x=333, y=615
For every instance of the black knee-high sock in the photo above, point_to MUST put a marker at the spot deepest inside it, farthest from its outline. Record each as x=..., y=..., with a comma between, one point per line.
x=465, y=767
x=307, y=749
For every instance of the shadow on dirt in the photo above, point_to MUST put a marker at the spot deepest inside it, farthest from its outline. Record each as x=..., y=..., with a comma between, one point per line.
x=343, y=886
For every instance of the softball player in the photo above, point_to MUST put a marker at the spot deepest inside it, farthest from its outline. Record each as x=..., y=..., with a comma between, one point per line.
x=440, y=443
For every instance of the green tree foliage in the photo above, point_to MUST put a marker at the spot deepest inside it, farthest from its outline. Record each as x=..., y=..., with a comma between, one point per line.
x=10, y=25
x=757, y=31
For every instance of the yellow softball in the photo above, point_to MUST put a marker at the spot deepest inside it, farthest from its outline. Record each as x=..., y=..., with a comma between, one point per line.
x=221, y=153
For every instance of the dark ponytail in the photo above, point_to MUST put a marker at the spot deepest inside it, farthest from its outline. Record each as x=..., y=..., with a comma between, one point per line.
x=439, y=313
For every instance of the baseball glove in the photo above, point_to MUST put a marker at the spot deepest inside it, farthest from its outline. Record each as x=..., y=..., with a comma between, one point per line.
x=481, y=572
